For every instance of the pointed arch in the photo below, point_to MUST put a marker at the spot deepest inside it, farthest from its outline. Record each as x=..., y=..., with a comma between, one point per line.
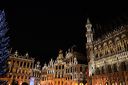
x=99, y=51
x=118, y=43
x=115, y=67
x=111, y=46
x=124, y=42
x=97, y=71
x=109, y=69
x=123, y=66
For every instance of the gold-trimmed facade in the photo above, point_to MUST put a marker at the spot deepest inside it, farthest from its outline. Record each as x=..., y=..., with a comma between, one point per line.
x=108, y=57
x=65, y=70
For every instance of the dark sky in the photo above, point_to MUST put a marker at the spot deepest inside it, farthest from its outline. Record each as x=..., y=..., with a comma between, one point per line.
x=42, y=28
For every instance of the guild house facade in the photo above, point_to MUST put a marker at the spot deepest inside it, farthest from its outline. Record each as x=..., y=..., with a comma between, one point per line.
x=107, y=57
x=21, y=68
x=65, y=70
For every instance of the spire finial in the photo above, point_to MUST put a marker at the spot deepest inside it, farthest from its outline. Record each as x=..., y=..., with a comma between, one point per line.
x=60, y=51
x=88, y=21
x=88, y=25
x=16, y=53
x=27, y=54
x=45, y=64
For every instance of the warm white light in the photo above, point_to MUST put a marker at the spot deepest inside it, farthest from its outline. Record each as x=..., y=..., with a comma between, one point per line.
x=81, y=84
x=76, y=84
x=21, y=83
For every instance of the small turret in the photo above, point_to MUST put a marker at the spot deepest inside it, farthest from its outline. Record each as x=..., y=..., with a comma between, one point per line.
x=89, y=47
x=88, y=25
x=27, y=55
x=60, y=56
x=16, y=53
x=89, y=33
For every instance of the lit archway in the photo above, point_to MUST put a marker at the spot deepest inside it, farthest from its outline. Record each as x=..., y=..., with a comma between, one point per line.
x=122, y=83
x=106, y=83
x=76, y=83
x=81, y=84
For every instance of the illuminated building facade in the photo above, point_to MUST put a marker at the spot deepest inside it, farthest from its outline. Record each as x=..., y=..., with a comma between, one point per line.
x=21, y=69
x=108, y=57
x=36, y=73
x=65, y=70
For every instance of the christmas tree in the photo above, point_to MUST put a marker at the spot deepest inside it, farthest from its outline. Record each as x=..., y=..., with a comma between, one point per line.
x=4, y=41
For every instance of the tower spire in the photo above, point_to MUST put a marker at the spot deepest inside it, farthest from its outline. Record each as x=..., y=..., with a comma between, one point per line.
x=88, y=21
x=89, y=46
x=60, y=56
x=89, y=33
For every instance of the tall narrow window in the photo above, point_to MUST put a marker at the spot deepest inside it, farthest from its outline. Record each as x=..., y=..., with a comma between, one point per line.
x=80, y=69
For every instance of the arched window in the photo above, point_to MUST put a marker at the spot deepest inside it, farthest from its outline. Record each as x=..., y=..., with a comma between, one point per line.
x=111, y=48
x=122, y=83
x=124, y=41
x=109, y=69
x=123, y=66
x=114, y=67
x=105, y=48
x=80, y=69
x=102, y=70
x=118, y=43
x=99, y=51
x=21, y=64
x=58, y=82
x=24, y=64
x=97, y=71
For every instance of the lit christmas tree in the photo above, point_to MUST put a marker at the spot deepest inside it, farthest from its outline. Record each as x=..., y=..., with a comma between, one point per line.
x=4, y=41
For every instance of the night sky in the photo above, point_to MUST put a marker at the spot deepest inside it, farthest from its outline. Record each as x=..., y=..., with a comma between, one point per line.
x=42, y=28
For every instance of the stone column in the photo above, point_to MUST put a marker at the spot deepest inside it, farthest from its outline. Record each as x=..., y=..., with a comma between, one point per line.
x=118, y=66
x=23, y=64
x=30, y=65
x=26, y=64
